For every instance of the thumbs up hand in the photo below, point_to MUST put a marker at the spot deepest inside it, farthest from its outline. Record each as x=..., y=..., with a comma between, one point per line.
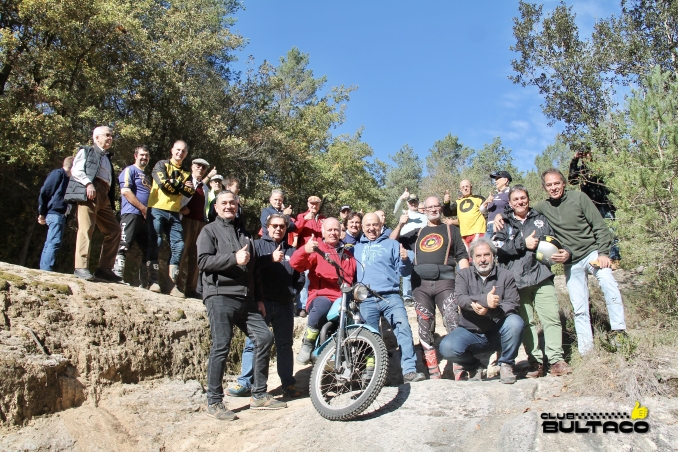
x=242, y=257
x=278, y=254
x=311, y=244
x=446, y=198
x=638, y=412
x=403, y=253
x=287, y=210
x=492, y=299
x=531, y=241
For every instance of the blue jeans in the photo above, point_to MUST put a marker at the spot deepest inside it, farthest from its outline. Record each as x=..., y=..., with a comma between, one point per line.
x=281, y=317
x=223, y=313
x=461, y=344
x=396, y=315
x=407, y=280
x=160, y=221
x=577, y=285
x=56, y=224
x=302, y=295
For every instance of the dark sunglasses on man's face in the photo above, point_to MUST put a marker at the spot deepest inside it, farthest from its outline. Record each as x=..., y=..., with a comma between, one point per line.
x=278, y=226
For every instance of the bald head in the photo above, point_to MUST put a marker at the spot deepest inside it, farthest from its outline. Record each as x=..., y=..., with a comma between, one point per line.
x=372, y=226
x=331, y=231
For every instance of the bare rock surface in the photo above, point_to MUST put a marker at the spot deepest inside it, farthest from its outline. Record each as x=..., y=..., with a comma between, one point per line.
x=108, y=367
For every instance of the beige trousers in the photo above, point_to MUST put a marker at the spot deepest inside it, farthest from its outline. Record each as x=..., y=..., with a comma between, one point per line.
x=97, y=212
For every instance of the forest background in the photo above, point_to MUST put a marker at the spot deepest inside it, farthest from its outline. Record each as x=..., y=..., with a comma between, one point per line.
x=159, y=71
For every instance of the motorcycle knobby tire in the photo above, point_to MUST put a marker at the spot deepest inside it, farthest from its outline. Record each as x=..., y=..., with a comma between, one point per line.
x=367, y=342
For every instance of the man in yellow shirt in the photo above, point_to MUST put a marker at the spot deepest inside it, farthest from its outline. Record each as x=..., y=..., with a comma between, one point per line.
x=467, y=210
x=170, y=183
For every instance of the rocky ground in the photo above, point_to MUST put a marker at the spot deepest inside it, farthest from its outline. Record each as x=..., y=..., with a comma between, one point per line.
x=93, y=366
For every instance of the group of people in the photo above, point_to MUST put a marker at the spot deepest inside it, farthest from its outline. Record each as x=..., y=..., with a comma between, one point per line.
x=483, y=266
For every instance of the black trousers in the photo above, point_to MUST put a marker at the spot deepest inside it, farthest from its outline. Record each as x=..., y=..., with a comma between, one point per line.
x=225, y=312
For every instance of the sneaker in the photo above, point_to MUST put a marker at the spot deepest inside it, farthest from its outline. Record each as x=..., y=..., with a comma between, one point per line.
x=267, y=402
x=408, y=302
x=155, y=287
x=477, y=374
x=291, y=391
x=83, y=273
x=560, y=368
x=413, y=377
x=219, y=411
x=535, y=370
x=238, y=391
x=614, y=264
x=506, y=374
x=176, y=293
x=107, y=275
x=303, y=313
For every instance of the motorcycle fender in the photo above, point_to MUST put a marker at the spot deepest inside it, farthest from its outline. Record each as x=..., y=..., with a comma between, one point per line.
x=349, y=328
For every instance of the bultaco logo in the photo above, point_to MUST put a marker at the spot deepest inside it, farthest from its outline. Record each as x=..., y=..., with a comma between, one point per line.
x=607, y=422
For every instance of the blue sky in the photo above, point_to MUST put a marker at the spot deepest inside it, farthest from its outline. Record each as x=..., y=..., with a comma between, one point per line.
x=422, y=69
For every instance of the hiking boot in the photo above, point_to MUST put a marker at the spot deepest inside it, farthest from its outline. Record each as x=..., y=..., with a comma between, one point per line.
x=176, y=293
x=219, y=411
x=193, y=294
x=431, y=360
x=291, y=392
x=460, y=374
x=239, y=391
x=266, y=402
x=83, y=273
x=307, y=344
x=413, y=377
x=560, y=368
x=303, y=313
x=407, y=301
x=506, y=374
x=107, y=275
x=152, y=267
x=535, y=370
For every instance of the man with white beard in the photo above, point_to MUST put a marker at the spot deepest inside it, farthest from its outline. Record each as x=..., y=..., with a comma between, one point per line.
x=488, y=299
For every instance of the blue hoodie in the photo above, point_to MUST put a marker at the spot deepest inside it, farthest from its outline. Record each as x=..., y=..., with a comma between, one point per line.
x=381, y=264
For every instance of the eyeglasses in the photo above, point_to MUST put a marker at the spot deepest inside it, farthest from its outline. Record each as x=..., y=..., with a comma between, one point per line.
x=433, y=207
x=107, y=134
x=278, y=226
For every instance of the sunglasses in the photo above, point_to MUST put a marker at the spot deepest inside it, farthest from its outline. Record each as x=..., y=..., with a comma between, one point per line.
x=278, y=226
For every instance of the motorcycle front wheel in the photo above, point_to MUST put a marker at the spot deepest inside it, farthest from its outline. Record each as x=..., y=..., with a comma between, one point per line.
x=344, y=393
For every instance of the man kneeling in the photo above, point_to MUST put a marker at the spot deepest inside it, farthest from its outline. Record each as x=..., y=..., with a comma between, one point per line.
x=489, y=320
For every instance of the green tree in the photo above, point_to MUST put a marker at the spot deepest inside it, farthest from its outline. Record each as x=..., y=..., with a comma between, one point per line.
x=406, y=173
x=492, y=157
x=444, y=164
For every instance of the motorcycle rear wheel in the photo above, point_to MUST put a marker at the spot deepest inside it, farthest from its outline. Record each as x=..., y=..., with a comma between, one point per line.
x=344, y=395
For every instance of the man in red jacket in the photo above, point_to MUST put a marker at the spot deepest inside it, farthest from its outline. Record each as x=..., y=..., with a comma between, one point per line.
x=310, y=222
x=323, y=287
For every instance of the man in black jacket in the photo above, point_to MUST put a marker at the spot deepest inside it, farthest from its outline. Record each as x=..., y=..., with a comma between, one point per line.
x=52, y=211
x=227, y=262
x=517, y=245
x=91, y=187
x=280, y=281
x=489, y=320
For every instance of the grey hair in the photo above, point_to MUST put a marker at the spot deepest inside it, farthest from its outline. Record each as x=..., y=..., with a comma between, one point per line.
x=554, y=171
x=277, y=191
x=226, y=192
x=482, y=241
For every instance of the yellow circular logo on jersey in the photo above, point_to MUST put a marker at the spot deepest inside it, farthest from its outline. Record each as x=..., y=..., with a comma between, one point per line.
x=430, y=243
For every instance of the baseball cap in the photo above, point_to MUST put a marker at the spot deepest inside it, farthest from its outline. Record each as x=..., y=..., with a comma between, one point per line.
x=500, y=174
x=314, y=199
x=412, y=197
x=200, y=162
x=217, y=177
x=346, y=207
